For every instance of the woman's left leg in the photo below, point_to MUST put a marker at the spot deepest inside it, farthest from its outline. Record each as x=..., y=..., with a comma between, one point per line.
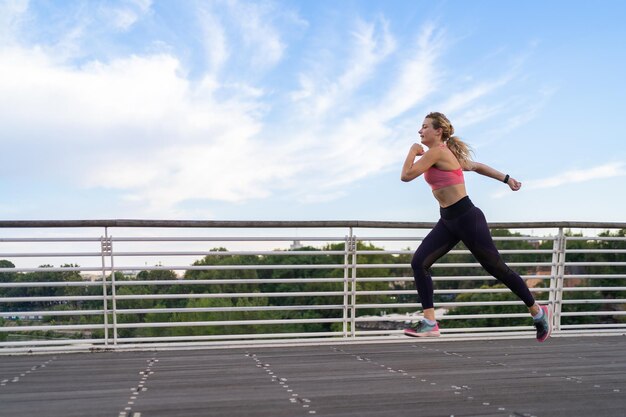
x=474, y=232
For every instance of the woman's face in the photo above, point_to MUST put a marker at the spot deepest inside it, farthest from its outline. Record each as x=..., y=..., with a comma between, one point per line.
x=429, y=134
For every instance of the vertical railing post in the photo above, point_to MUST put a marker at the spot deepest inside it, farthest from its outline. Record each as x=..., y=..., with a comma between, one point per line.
x=113, y=292
x=556, y=280
x=346, y=282
x=353, y=285
x=105, y=248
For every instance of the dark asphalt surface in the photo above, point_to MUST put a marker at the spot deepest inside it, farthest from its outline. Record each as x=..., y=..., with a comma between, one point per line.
x=584, y=376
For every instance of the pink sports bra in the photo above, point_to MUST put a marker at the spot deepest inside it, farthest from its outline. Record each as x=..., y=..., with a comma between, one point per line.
x=438, y=178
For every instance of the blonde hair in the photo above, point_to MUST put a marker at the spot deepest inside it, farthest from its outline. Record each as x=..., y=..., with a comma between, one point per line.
x=460, y=149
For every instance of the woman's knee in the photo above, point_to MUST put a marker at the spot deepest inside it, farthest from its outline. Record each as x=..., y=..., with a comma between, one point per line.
x=419, y=263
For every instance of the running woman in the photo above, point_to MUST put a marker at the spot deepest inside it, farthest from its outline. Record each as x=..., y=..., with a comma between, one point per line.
x=443, y=165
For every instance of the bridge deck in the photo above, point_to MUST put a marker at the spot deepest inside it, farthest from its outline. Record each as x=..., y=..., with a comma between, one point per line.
x=562, y=377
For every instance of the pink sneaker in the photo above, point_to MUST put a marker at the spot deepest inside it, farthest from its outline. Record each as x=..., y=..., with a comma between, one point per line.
x=422, y=329
x=544, y=324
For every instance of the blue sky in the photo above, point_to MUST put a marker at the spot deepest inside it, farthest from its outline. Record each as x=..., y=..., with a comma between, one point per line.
x=304, y=110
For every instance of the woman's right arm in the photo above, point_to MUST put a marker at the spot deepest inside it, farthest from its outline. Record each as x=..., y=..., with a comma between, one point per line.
x=412, y=168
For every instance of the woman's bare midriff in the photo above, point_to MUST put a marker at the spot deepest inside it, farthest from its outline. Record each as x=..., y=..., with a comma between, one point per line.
x=447, y=196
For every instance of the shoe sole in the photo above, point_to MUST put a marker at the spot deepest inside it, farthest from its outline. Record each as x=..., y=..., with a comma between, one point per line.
x=429, y=334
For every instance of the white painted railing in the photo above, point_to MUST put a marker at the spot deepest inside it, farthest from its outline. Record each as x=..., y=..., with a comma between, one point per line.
x=352, y=281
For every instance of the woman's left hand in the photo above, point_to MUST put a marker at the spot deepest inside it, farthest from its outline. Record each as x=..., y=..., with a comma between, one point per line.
x=514, y=184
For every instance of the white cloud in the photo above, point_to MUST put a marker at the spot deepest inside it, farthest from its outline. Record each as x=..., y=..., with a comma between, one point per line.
x=463, y=99
x=214, y=40
x=608, y=170
x=142, y=126
x=262, y=39
x=124, y=16
x=12, y=13
x=418, y=75
x=371, y=44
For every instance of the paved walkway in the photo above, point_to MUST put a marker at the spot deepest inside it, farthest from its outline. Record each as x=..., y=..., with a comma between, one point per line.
x=583, y=376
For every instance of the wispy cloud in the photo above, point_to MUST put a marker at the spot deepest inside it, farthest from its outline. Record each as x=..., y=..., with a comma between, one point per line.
x=214, y=40
x=11, y=14
x=417, y=76
x=126, y=14
x=262, y=38
x=608, y=170
x=370, y=44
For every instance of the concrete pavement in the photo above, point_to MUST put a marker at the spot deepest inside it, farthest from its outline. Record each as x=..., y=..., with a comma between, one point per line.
x=583, y=376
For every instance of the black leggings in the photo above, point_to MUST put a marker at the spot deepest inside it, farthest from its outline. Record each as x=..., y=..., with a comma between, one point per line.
x=466, y=223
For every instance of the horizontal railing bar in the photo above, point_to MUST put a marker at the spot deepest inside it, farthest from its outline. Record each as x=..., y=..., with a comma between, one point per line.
x=569, y=289
x=481, y=303
x=485, y=316
x=446, y=265
x=593, y=313
x=238, y=253
x=230, y=295
x=449, y=291
x=595, y=301
x=173, y=253
x=226, y=337
x=593, y=326
x=51, y=342
x=420, y=238
x=461, y=304
x=171, y=296
x=444, y=317
x=230, y=239
x=259, y=281
x=389, y=305
x=49, y=254
x=229, y=309
x=597, y=238
x=596, y=251
x=174, y=267
x=454, y=252
x=59, y=298
x=446, y=278
x=231, y=267
x=9, y=329
x=53, y=269
x=595, y=264
x=487, y=329
x=131, y=223
x=599, y=276
x=34, y=284
x=48, y=239
x=226, y=323
x=51, y=313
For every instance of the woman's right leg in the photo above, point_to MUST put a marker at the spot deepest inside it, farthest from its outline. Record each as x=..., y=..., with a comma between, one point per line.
x=436, y=244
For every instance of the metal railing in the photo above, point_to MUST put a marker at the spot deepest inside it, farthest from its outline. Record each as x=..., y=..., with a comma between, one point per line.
x=138, y=283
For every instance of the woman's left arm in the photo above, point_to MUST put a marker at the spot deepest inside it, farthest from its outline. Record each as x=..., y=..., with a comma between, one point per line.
x=490, y=172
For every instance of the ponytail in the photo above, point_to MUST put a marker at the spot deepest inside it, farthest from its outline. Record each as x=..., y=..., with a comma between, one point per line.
x=460, y=149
